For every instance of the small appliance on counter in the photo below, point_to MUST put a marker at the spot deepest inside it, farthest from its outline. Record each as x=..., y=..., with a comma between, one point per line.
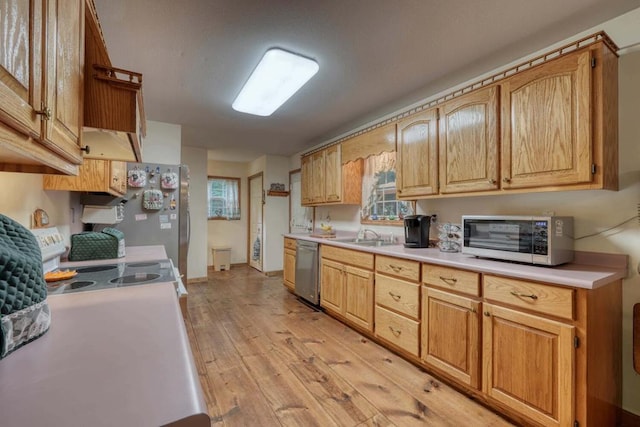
x=416, y=231
x=542, y=240
x=89, y=245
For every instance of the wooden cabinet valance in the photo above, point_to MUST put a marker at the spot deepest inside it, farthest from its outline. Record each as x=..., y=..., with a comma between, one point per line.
x=379, y=140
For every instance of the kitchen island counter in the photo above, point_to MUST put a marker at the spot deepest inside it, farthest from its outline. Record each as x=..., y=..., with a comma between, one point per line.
x=111, y=357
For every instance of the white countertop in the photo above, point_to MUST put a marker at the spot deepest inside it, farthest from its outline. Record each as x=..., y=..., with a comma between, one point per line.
x=582, y=274
x=117, y=356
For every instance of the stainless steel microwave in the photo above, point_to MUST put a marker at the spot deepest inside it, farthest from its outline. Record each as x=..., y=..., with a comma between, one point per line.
x=543, y=240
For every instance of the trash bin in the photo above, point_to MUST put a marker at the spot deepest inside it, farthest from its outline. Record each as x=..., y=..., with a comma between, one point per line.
x=221, y=258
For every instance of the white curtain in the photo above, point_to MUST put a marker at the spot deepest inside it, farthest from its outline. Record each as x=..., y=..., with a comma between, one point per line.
x=373, y=165
x=233, y=202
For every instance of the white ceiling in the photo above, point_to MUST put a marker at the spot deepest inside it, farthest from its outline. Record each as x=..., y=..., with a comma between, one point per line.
x=375, y=57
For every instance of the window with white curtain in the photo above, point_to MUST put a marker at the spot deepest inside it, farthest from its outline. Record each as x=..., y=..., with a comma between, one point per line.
x=379, y=202
x=223, y=196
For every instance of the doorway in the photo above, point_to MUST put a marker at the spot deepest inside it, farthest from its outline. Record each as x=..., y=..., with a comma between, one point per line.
x=256, y=236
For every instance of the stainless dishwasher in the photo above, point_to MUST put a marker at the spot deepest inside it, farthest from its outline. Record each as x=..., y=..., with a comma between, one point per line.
x=307, y=277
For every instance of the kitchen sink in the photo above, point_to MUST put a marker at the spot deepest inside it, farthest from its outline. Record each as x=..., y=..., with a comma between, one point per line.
x=365, y=242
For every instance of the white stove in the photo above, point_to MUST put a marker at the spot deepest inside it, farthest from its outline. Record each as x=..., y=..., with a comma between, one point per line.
x=101, y=275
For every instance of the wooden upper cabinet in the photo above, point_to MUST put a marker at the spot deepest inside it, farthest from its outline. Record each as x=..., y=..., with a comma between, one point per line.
x=41, y=78
x=417, y=155
x=547, y=124
x=469, y=132
x=317, y=177
x=104, y=176
x=325, y=180
x=65, y=63
x=333, y=174
x=21, y=65
x=305, y=180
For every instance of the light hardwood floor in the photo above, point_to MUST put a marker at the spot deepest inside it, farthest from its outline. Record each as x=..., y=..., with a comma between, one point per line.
x=266, y=359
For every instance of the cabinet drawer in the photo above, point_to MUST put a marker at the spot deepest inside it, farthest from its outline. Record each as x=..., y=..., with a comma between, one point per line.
x=402, y=268
x=398, y=330
x=398, y=295
x=290, y=243
x=552, y=300
x=347, y=256
x=453, y=279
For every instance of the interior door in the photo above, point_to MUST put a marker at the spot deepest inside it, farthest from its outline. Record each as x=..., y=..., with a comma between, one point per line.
x=256, y=237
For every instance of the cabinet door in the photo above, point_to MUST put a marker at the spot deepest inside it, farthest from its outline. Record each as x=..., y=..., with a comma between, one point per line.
x=417, y=155
x=546, y=124
x=332, y=285
x=118, y=180
x=306, y=176
x=359, y=297
x=65, y=53
x=469, y=142
x=528, y=364
x=317, y=177
x=333, y=174
x=454, y=353
x=289, y=271
x=21, y=65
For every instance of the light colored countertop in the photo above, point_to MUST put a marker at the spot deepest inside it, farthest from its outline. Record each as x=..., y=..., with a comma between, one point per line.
x=111, y=357
x=590, y=270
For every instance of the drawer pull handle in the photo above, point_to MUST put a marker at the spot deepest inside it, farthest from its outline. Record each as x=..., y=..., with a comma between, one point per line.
x=394, y=296
x=395, y=332
x=519, y=294
x=449, y=280
x=395, y=268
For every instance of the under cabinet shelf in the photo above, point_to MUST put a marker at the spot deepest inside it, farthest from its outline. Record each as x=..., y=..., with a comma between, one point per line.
x=277, y=193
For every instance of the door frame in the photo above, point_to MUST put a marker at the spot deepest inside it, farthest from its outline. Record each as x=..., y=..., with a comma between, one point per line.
x=249, y=248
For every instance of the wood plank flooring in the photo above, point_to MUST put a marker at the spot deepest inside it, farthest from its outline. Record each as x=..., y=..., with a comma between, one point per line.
x=266, y=359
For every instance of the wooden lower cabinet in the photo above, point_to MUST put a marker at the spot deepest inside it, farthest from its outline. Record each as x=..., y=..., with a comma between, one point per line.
x=528, y=364
x=451, y=335
x=540, y=353
x=399, y=330
x=289, y=264
x=347, y=290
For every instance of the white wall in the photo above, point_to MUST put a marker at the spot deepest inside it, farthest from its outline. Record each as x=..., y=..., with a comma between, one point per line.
x=196, y=159
x=162, y=143
x=22, y=194
x=230, y=233
x=276, y=213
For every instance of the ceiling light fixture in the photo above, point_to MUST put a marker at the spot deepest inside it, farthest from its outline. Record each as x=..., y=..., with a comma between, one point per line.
x=277, y=77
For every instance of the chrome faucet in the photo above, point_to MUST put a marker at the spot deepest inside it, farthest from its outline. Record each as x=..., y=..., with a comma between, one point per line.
x=365, y=230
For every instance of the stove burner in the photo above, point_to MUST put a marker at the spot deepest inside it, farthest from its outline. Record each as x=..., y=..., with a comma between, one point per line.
x=96, y=268
x=81, y=284
x=135, y=278
x=143, y=264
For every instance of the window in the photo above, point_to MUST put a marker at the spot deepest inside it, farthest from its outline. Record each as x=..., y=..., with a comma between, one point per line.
x=223, y=196
x=379, y=191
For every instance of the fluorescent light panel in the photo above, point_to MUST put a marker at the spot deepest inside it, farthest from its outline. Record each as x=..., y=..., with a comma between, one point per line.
x=277, y=77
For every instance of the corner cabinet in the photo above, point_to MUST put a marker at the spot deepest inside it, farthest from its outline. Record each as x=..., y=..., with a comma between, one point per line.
x=104, y=176
x=325, y=180
x=41, y=79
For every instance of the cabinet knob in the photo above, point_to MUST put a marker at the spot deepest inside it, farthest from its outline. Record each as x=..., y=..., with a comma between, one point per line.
x=492, y=181
x=507, y=180
x=45, y=113
x=86, y=149
x=486, y=313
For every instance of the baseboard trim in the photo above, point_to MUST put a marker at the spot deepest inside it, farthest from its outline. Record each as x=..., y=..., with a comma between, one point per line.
x=273, y=273
x=628, y=419
x=196, y=280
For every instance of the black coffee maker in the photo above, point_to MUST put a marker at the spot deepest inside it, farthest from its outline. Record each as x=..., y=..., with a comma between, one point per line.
x=416, y=231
